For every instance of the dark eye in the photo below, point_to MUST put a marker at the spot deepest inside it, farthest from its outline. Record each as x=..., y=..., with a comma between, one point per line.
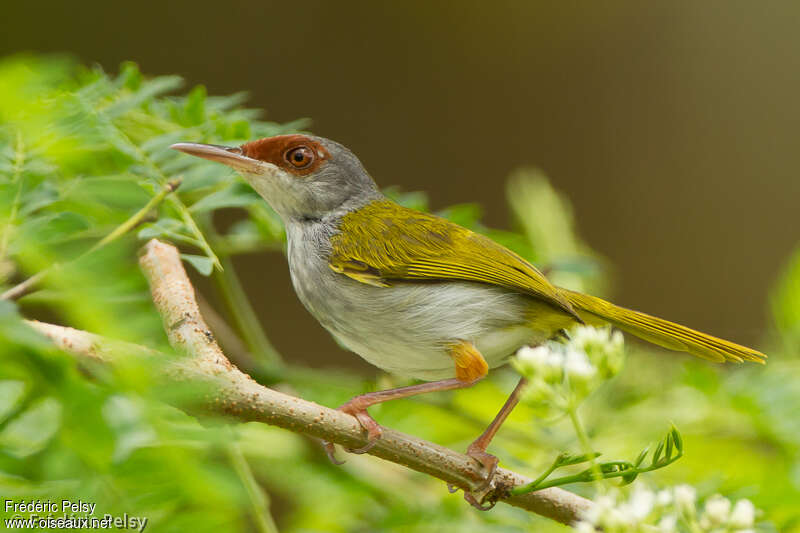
x=300, y=157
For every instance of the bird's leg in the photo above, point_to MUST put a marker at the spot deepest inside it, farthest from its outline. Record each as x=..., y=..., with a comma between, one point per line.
x=470, y=368
x=357, y=407
x=478, y=447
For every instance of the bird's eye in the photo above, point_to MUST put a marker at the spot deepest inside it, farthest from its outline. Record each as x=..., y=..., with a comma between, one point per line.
x=300, y=157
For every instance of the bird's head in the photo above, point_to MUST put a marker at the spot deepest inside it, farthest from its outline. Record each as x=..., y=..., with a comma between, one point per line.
x=301, y=176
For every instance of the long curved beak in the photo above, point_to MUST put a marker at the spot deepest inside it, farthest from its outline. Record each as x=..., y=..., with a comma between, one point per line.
x=231, y=156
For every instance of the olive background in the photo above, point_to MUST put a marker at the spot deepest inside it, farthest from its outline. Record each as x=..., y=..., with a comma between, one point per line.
x=671, y=126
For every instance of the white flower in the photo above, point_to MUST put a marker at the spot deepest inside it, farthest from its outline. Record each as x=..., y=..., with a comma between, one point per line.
x=544, y=362
x=716, y=512
x=663, y=498
x=580, y=371
x=588, y=335
x=585, y=527
x=529, y=360
x=577, y=365
x=537, y=391
x=554, y=361
x=603, y=346
x=539, y=362
x=743, y=514
x=602, y=506
x=618, y=520
x=534, y=356
x=641, y=502
x=666, y=511
x=685, y=497
x=668, y=523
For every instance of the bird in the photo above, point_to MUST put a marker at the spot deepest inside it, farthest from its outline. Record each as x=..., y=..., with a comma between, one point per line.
x=415, y=294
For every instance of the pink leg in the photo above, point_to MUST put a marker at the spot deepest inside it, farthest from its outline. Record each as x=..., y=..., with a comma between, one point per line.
x=477, y=449
x=357, y=407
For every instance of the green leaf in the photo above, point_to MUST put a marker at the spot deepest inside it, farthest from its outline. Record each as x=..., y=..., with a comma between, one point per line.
x=233, y=195
x=415, y=200
x=785, y=302
x=147, y=91
x=640, y=459
x=124, y=417
x=569, y=459
x=163, y=227
x=226, y=103
x=54, y=227
x=657, y=453
x=615, y=466
x=467, y=215
x=11, y=394
x=267, y=220
x=676, y=436
x=239, y=129
x=38, y=198
x=32, y=430
x=130, y=76
x=195, y=107
x=201, y=263
x=629, y=478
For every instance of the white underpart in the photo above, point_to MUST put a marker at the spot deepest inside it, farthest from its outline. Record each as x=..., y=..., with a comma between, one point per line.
x=406, y=329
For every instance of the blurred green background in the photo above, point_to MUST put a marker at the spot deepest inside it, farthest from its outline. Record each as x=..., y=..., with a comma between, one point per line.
x=668, y=130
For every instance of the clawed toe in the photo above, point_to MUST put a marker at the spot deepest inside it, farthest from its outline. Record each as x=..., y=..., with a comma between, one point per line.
x=330, y=451
x=374, y=432
x=367, y=447
x=473, y=501
x=488, y=464
x=487, y=461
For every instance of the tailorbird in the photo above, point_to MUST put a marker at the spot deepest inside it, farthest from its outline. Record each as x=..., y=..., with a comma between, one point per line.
x=413, y=293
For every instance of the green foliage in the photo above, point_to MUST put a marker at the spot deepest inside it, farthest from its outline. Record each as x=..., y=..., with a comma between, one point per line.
x=786, y=305
x=667, y=452
x=84, y=156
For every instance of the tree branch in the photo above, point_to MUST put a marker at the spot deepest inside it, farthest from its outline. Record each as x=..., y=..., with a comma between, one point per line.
x=235, y=394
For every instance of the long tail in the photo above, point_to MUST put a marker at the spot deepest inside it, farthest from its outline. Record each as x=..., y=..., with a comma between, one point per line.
x=660, y=331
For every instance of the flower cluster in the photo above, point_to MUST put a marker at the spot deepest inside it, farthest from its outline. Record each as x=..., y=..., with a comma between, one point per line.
x=672, y=510
x=560, y=374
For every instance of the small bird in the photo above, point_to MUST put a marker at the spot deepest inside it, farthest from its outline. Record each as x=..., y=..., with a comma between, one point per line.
x=415, y=294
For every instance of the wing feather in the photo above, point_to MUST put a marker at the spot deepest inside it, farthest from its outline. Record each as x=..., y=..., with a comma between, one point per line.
x=384, y=242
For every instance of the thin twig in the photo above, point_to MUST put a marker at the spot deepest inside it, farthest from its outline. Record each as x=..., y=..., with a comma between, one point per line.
x=259, y=499
x=19, y=165
x=89, y=345
x=237, y=303
x=162, y=179
x=136, y=218
x=23, y=288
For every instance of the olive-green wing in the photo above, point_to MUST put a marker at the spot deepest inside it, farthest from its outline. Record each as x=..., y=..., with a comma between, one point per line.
x=384, y=242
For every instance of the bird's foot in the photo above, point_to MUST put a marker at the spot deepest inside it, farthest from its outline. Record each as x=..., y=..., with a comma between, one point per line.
x=488, y=462
x=477, y=501
x=374, y=430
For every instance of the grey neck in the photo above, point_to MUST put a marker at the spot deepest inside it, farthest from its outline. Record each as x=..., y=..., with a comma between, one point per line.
x=334, y=215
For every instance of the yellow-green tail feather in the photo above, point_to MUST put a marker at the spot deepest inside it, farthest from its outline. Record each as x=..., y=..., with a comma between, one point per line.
x=659, y=331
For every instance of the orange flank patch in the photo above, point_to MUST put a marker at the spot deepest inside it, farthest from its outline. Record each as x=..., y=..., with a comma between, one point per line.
x=470, y=364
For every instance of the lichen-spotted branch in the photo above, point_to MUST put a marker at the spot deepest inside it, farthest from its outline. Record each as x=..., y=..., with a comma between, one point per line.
x=233, y=393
